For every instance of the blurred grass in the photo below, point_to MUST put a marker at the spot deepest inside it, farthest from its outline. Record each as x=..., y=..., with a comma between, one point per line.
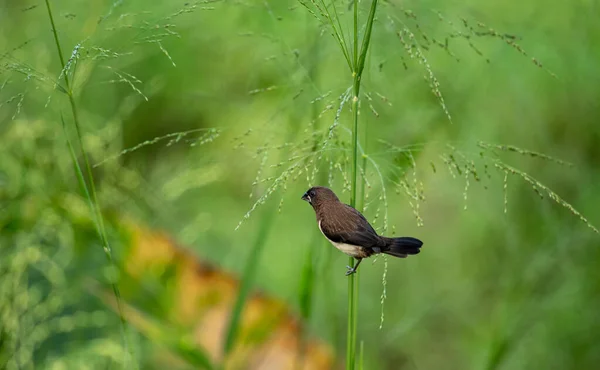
x=247, y=280
x=490, y=290
x=89, y=187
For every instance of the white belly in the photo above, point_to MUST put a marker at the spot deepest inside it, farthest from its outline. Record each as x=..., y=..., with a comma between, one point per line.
x=351, y=250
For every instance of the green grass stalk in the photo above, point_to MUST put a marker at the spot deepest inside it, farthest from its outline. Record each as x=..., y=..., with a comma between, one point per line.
x=358, y=67
x=337, y=33
x=90, y=193
x=361, y=356
x=247, y=281
x=306, y=293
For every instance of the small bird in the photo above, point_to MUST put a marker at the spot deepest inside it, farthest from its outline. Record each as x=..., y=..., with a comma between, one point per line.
x=350, y=232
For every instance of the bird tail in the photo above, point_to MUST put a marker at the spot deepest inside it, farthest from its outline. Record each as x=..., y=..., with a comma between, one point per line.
x=402, y=247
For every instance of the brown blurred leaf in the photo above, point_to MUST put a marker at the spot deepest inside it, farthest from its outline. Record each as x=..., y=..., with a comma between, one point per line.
x=201, y=298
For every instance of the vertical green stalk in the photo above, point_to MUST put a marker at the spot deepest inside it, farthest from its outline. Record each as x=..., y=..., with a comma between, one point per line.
x=361, y=356
x=90, y=193
x=306, y=291
x=247, y=282
x=355, y=48
x=358, y=67
x=352, y=287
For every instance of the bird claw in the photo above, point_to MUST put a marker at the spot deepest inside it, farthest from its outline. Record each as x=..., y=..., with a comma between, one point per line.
x=351, y=270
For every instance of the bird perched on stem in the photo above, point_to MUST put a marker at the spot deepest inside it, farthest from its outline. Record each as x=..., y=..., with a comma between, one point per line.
x=350, y=232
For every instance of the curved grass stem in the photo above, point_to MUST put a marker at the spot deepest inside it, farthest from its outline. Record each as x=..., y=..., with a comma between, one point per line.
x=88, y=186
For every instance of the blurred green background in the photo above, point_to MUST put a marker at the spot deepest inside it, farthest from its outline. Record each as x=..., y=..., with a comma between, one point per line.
x=254, y=89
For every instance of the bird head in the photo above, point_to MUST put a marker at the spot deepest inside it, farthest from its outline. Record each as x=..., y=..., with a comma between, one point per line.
x=317, y=195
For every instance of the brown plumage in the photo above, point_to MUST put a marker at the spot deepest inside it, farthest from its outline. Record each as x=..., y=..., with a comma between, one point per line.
x=350, y=232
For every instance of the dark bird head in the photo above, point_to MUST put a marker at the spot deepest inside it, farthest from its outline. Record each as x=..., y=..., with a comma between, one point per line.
x=318, y=195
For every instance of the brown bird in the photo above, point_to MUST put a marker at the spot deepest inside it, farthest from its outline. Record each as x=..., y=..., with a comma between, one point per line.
x=350, y=232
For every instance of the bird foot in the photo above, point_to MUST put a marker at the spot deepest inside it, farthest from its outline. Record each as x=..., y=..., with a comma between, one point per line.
x=351, y=270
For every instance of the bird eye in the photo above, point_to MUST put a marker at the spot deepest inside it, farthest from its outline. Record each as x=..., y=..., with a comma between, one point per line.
x=312, y=193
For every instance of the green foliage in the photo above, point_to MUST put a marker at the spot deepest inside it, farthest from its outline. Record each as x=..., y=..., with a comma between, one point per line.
x=185, y=108
x=248, y=277
x=48, y=319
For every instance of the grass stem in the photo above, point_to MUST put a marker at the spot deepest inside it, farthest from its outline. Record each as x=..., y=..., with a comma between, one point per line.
x=247, y=282
x=358, y=67
x=90, y=193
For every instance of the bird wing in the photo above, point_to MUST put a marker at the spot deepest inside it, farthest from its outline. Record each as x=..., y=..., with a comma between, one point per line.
x=345, y=224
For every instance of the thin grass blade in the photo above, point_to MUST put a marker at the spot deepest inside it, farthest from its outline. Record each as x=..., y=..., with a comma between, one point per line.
x=247, y=281
x=366, y=38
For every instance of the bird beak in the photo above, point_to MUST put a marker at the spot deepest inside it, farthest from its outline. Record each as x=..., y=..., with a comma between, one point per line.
x=306, y=197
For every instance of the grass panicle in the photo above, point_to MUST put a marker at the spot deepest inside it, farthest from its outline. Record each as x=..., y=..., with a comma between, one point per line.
x=541, y=189
x=327, y=149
